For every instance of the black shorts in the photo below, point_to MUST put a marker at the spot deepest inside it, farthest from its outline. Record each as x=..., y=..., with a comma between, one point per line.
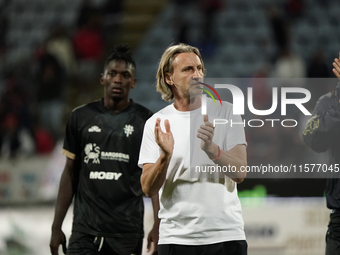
x=225, y=248
x=86, y=244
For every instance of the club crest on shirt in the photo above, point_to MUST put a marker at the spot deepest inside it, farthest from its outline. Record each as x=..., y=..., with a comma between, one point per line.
x=92, y=152
x=95, y=129
x=128, y=129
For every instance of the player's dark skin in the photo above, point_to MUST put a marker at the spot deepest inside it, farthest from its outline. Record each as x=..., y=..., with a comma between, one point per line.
x=118, y=79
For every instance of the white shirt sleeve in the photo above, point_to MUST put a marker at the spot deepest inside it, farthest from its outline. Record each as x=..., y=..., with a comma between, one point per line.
x=149, y=151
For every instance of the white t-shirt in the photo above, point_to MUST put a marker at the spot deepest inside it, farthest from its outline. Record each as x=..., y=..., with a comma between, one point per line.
x=195, y=210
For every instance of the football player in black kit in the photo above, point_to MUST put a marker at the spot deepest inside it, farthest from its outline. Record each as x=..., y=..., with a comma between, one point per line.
x=322, y=133
x=102, y=145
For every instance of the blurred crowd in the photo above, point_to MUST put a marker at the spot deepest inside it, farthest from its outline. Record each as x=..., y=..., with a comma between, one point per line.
x=38, y=92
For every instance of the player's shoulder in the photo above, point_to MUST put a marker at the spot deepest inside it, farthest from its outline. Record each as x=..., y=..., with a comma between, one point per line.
x=167, y=110
x=328, y=98
x=85, y=107
x=164, y=112
x=326, y=101
x=141, y=110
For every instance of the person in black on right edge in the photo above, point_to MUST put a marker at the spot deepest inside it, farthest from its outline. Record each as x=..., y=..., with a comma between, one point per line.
x=322, y=133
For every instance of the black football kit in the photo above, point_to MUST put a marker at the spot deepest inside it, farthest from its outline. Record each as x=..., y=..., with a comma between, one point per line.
x=109, y=199
x=322, y=133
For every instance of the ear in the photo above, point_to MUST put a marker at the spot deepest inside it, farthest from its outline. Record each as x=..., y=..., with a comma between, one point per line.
x=133, y=83
x=102, y=79
x=168, y=79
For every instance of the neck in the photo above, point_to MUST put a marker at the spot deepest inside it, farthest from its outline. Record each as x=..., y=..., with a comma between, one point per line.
x=188, y=104
x=116, y=105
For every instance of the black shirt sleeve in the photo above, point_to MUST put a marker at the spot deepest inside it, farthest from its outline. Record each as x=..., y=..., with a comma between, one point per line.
x=324, y=125
x=72, y=142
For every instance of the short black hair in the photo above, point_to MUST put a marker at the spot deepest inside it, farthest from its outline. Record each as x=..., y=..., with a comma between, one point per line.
x=121, y=52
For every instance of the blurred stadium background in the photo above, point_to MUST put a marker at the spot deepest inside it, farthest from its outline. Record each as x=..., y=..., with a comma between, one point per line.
x=51, y=57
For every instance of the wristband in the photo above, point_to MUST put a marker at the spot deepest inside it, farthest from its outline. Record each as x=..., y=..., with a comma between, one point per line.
x=219, y=154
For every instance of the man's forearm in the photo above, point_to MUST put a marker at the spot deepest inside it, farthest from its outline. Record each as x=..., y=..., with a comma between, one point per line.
x=64, y=200
x=236, y=157
x=227, y=159
x=154, y=175
x=155, y=207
